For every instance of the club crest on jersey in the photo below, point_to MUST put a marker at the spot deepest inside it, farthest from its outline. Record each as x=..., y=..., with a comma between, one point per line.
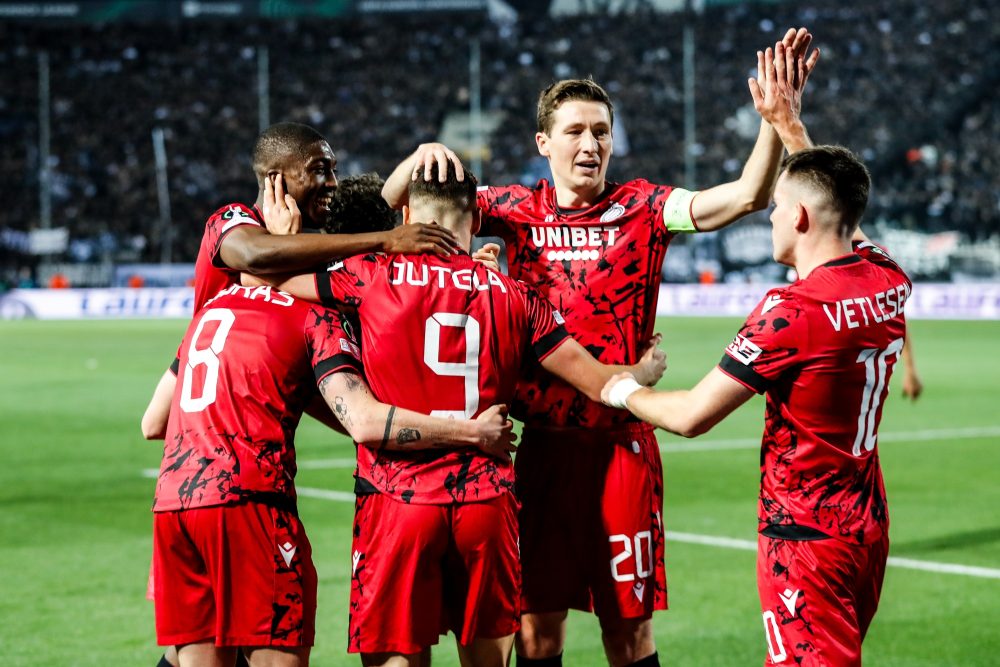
x=743, y=350
x=616, y=211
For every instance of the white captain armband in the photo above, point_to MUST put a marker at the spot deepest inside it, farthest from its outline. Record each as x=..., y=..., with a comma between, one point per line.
x=677, y=211
x=621, y=391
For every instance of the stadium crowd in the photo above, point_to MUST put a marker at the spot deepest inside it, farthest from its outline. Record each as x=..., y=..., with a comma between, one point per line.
x=907, y=85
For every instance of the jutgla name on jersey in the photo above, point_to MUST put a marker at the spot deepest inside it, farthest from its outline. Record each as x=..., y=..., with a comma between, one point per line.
x=881, y=306
x=442, y=276
x=573, y=242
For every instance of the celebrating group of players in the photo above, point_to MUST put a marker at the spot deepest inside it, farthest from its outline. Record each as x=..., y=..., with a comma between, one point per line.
x=419, y=350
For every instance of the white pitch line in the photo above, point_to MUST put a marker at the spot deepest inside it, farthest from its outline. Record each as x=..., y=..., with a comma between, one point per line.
x=706, y=445
x=905, y=436
x=908, y=563
x=731, y=543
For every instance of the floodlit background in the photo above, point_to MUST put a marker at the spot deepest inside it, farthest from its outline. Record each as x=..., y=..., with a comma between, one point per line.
x=123, y=125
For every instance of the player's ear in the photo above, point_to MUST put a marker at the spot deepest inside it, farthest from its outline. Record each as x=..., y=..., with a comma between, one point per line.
x=542, y=141
x=802, y=219
x=406, y=214
x=477, y=221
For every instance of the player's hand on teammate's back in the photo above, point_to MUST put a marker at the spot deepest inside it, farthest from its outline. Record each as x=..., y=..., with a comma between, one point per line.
x=488, y=256
x=496, y=434
x=281, y=213
x=652, y=364
x=417, y=238
x=427, y=155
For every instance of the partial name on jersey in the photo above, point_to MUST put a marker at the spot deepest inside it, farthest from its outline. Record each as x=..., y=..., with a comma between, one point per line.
x=881, y=306
x=441, y=277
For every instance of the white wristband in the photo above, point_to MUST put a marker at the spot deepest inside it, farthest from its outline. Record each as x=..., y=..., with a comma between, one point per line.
x=621, y=391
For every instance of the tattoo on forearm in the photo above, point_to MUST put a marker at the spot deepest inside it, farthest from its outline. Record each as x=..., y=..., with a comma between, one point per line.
x=353, y=381
x=388, y=427
x=407, y=435
x=340, y=410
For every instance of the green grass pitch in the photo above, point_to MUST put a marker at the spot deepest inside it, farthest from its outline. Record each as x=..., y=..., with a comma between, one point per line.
x=74, y=506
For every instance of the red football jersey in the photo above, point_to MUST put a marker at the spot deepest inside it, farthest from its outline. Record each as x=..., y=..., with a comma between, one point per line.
x=445, y=337
x=823, y=349
x=211, y=275
x=600, y=266
x=249, y=363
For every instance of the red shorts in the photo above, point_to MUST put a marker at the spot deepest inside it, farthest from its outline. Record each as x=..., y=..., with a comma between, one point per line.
x=420, y=570
x=818, y=598
x=238, y=575
x=592, y=521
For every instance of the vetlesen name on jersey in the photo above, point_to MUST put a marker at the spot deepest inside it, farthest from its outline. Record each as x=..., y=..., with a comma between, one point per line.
x=881, y=306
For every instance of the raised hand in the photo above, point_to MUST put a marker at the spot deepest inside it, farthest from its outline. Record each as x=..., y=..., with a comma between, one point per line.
x=496, y=435
x=427, y=155
x=281, y=213
x=782, y=73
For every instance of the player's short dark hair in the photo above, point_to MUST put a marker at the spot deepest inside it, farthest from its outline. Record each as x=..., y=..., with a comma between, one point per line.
x=569, y=90
x=281, y=141
x=357, y=206
x=452, y=192
x=839, y=174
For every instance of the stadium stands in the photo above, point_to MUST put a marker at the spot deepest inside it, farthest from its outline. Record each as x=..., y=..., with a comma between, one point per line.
x=907, y=84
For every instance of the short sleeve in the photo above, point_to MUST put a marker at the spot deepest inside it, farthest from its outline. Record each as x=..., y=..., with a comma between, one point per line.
x=224, y=221
x=547, y=325
x=331, y=349
x=345, y=281
x=495, y=205
x=772, y=340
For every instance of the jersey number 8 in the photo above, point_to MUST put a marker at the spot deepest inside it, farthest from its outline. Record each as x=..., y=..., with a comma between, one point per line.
x=209, y=357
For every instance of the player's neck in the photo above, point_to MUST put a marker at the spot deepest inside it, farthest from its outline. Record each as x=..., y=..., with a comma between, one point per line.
x=567, y=197
x=458, y=224
x=809, y=257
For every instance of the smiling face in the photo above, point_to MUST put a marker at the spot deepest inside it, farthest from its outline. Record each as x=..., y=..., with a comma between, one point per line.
x=578, y=147
x=311, y=179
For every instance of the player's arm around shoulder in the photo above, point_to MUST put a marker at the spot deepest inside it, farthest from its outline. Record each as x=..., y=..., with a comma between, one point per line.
x=687, y=413
x=381, y=426
x=572, y=362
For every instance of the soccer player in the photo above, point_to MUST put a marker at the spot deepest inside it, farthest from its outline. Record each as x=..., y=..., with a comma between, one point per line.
x=435, y=544
x=290, y=161
x=822, y=350
x=231, y=560
x=590, y=479
x=235, y=240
